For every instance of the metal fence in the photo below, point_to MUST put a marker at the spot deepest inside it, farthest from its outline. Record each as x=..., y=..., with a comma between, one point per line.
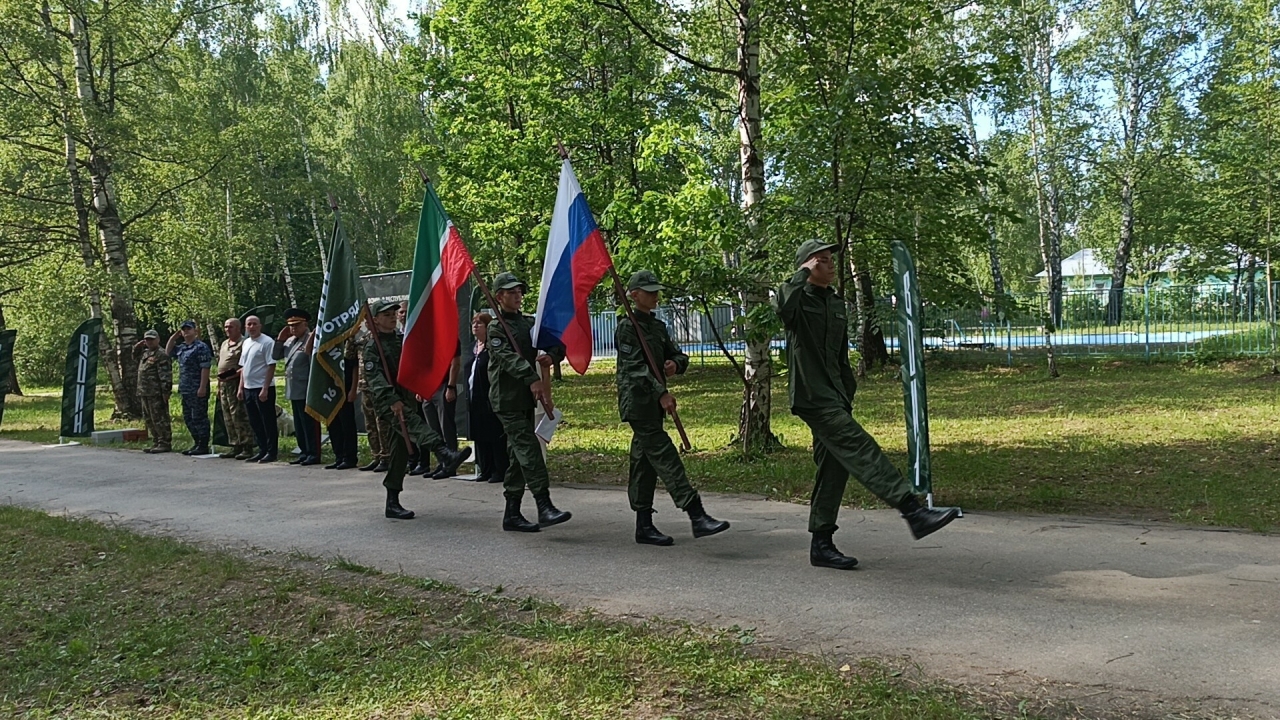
x=1155, y=321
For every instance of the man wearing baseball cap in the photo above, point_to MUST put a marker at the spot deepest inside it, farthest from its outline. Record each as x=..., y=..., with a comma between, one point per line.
x=822, y=385
x=381, y=365
x=155, y=385
x=194, y=358
x=643, y=401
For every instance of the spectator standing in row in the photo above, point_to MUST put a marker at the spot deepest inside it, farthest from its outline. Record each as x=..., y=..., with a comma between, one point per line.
x=155, y=384
x=194, y=360
x=293, y=345
x=442, y=413
x=239, y=433
x=486, y=431
x=342, y=431
x=257, y=390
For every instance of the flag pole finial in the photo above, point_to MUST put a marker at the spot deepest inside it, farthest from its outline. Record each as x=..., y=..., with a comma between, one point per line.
x=333, y=202
x=564, y=154
x=422, y=174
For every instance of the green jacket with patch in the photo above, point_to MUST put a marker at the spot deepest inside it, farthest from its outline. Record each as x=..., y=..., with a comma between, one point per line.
x=382, y=388
x=510, y=372
x=155, y=371
x=638, y=389
x=817, y=329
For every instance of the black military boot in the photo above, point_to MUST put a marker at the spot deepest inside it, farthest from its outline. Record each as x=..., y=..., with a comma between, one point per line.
x=451, y=459
x=201, y=448
x=823, y=553
x=703, y=524
x=923, y=520
x=514, y=521
x=646, y=533
x=394, y=510
x=549, y=514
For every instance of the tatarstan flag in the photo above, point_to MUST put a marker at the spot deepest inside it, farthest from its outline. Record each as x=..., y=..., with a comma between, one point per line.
x=441, y=265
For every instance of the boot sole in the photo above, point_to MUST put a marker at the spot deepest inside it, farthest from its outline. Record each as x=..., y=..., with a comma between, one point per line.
x=396, y=516
x=713, y=532
x=952, y=514
x=516, y=528
x=834, y=566
x=664, y=542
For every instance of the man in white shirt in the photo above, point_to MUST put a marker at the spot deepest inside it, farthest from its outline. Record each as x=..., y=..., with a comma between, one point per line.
x=258, y=390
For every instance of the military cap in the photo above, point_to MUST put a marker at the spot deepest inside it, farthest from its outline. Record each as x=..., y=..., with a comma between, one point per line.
x=382, y=306
x=188, y=325
x=151, y=335
x=507, y=281
x=293, y=316
x=644, y=280
x=812, y=247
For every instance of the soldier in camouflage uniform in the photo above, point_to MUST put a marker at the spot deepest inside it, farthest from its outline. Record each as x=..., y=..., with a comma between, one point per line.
x=643, y=400
x=821, y=386
x=239, y=434
x=155, y=384
x=378, y=431
x=515, y=386
x=391, y=400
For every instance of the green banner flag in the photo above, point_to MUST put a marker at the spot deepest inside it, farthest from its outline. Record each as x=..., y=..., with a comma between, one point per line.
x=911, y=347
x=7, y=338
x=342, y=307
x=80, y=380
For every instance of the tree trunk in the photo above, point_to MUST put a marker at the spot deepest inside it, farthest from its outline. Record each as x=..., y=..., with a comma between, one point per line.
x=871, y=346
x=754, y=429
x=1120, y=271
x=988, y=219
x=124, y=322
x=315, y=220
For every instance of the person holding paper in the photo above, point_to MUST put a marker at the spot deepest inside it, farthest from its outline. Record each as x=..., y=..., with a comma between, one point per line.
x=643, y=400
x=515, y=387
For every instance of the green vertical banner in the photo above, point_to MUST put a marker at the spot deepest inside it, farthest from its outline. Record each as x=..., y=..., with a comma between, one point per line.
x=911, y=350
x=342, y=306
x=7, y=338
x=80, y=379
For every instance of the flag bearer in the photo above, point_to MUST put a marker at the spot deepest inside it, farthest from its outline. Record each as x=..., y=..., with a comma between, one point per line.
x=821, y=388
x=515, y=387
x=391, y=401
x=643, y=400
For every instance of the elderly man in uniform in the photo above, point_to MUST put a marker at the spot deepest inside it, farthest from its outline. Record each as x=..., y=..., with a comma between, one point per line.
x=515, y=387
x=643, y=400
x=821, y=388
x=194, y=359
x=381, y=365
x=239, y=434
x=293, y=345
x=155, y=384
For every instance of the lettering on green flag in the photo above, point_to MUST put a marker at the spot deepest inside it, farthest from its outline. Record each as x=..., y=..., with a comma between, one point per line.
x=80, y=380
x=342, y=307
x=911, y=347
x=7, y=338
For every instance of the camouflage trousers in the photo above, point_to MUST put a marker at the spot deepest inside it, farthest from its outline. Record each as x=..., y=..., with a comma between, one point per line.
x=376, y=427
x=155, y=411
x=195, y=414
x=239, y=434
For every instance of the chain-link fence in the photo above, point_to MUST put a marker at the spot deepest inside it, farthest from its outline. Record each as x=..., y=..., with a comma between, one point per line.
x=1152, y=322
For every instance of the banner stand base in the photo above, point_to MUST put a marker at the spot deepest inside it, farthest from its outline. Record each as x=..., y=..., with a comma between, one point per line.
x=928, y=499
x=63, y=442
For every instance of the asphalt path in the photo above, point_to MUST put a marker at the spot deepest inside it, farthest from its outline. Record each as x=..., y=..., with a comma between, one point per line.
x=1145, y=617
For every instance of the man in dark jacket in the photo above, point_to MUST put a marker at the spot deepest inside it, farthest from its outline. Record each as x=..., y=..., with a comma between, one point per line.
x=821, y=388
x=643, y=400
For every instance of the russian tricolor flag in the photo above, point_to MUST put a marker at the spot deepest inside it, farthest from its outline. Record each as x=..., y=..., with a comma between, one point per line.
x=576, y=261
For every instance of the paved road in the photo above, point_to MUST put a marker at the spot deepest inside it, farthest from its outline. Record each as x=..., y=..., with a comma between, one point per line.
x=1145, y=615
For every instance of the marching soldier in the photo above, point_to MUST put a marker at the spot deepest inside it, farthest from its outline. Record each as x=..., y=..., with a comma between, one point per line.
x=391, y=401
x=239, y=434
x=515, y=386
x=643, y=400
x=821, y=386
x=155, y=384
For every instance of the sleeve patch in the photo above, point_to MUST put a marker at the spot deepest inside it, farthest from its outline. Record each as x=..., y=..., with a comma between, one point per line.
x=368, y=364
x=495, y=342
x=626, y=349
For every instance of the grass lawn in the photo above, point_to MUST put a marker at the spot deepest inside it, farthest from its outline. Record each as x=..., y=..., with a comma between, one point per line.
x=97, y=621
x=1174, y=441
x=1195, y=444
